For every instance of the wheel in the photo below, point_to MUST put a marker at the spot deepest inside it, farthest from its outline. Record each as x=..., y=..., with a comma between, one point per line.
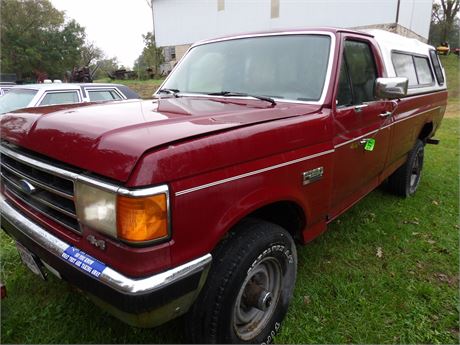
x=405, y=180
x=249, y=286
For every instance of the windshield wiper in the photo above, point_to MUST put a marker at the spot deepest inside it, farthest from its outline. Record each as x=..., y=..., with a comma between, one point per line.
x=242, y=94
x=173, y=92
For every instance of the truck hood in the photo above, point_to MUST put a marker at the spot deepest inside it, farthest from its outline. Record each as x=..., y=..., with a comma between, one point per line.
x=109, y=138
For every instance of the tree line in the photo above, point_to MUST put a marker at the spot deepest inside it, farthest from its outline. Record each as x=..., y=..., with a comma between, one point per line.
x=37, y=38
x=445, y=23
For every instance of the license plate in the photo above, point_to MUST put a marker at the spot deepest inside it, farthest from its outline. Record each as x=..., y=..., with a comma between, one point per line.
x=30, y=260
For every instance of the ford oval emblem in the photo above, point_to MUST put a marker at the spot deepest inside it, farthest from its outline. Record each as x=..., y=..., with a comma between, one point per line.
x=27, y=187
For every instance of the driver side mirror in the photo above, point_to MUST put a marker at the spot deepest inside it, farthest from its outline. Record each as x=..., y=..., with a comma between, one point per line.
x=391, y=88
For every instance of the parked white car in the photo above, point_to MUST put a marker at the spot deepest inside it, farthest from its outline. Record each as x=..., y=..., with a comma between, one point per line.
x=37, y=95
x=5, y=87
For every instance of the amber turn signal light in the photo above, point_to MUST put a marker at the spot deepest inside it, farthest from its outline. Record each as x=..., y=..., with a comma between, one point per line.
x=142, y=219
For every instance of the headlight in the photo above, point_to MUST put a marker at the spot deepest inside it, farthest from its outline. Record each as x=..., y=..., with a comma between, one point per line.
x=96, y=208
x=133, y=217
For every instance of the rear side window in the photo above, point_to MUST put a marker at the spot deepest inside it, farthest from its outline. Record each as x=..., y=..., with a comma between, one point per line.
x=415, y=68
x=60, y=98
x=103, y=95
x=437, y=67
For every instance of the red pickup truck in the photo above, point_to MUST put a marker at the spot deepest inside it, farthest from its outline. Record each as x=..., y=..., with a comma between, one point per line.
x=193, y=202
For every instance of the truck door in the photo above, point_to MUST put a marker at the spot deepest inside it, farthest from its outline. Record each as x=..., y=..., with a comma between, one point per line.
x=361, y=135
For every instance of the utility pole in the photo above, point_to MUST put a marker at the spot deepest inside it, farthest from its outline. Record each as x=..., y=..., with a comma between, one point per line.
x=154, y=42
x=150, y=4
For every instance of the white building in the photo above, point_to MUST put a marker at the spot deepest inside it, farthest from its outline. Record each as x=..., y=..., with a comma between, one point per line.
x=179, y=23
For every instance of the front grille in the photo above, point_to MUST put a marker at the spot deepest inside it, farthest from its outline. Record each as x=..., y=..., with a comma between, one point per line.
x=53, y=195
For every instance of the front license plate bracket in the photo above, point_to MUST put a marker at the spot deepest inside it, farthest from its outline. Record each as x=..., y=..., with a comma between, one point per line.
x=31, y=261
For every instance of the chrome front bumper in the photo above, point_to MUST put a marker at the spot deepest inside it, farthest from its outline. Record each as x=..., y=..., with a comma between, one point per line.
x=39, y=241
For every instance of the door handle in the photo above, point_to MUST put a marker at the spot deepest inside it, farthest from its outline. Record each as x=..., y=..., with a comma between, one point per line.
x=386, y=114
x=359, y=108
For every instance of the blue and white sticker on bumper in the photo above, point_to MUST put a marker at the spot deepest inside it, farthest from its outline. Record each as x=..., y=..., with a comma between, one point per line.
x=83, y=261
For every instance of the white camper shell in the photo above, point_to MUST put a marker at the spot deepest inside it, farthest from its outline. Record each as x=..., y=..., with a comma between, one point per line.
x=410, y=58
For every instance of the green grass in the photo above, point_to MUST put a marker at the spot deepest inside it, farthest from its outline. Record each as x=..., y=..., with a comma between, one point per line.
x=345, y=293
x=451, y=66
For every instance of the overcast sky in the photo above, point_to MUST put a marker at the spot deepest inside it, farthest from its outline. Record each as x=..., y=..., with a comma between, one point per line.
x=115, y=26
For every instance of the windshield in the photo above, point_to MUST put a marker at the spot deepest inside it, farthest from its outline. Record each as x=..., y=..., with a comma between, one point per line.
x=16, y=99
x=287, y=66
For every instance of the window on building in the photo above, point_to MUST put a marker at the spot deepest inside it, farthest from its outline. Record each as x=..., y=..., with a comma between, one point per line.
x=220, y=5
x=275, y=8
x=60, y=98
x=417, y=69
x=173, y=53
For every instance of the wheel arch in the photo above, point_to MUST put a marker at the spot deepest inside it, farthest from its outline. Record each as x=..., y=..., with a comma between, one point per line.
x=286, y=212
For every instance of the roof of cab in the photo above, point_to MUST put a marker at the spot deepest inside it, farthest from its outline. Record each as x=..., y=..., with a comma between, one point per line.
x=283, y=31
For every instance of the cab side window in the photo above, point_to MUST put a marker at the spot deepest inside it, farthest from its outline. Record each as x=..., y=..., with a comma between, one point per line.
x=357, y=74
x=344, y=94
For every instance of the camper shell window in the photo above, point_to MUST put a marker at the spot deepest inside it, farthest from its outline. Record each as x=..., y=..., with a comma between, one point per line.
x=416, y=68
x=437, y=66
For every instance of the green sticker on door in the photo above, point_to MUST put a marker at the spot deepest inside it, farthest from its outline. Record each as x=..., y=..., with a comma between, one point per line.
x=370, y=143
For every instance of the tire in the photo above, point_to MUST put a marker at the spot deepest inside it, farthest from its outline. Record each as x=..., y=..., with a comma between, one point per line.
x=405, y=181
x=256, y=258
